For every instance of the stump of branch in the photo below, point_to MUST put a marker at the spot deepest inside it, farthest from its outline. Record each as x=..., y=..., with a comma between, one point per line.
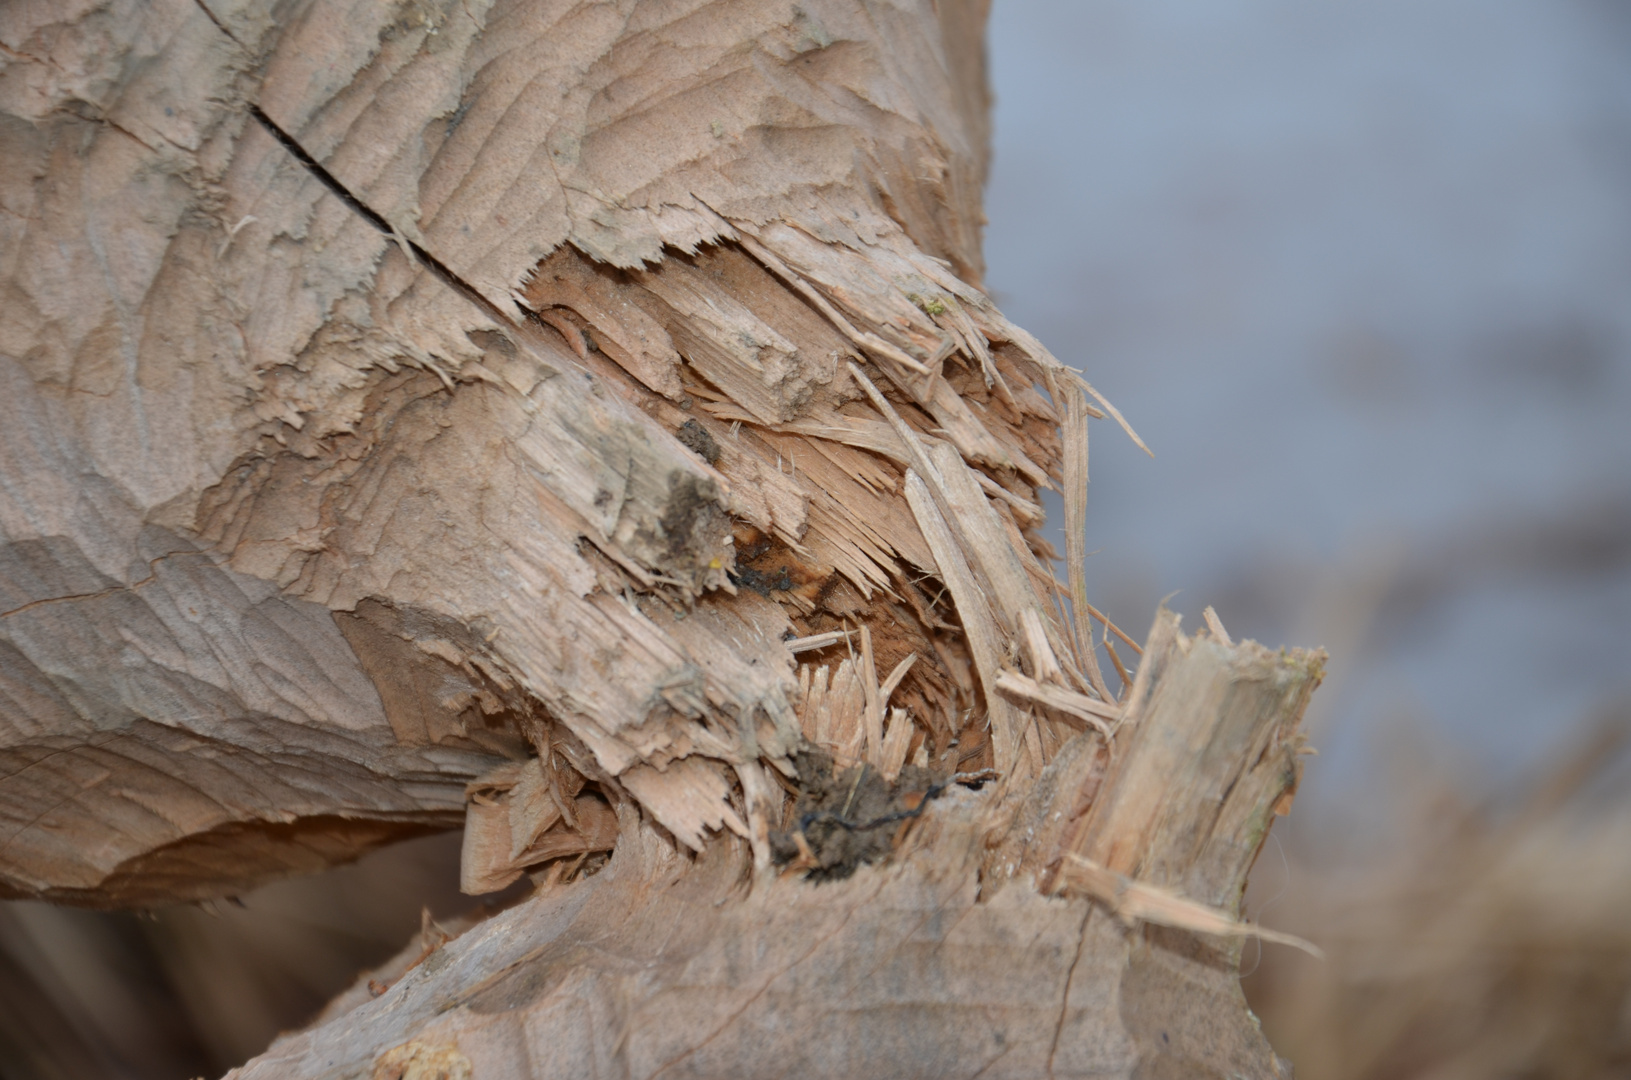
x=584, y=424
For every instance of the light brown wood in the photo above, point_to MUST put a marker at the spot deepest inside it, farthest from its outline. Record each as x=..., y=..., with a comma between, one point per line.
x=350, y=354
x=441, y=413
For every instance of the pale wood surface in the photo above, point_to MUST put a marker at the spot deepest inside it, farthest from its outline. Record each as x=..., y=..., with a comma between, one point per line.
x=304, y=512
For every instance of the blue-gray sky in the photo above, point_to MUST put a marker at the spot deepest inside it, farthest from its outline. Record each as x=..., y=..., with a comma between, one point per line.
x=1361, y=275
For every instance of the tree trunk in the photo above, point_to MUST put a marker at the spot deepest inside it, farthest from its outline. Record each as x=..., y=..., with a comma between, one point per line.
x=584, y=423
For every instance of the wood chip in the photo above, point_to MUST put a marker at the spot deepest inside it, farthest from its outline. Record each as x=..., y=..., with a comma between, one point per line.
x=1044, y=665
x=1094, y=713
x=1112, y=410
x=532, y=808
x=1114, y=629
x=1132, y=900
x=1121, y=669
x=832, y=710
x=895, y=677
x=984, y=640
x=895, y=745
x=874, y=704
x=869, y=342
x=817, y=641
x=1076, y=474
x=1024, y=508
x=688, y=798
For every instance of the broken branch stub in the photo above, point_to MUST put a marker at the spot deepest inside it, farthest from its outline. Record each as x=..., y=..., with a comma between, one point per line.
x=1206, y=752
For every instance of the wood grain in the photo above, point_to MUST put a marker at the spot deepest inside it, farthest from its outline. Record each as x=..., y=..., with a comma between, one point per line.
x=345, y=352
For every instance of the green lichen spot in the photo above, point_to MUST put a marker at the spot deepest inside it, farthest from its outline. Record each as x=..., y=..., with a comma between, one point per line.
x=933, y=305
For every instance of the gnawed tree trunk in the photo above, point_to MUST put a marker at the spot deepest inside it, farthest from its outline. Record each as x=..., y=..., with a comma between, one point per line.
x=967, y=954
x=583, y=422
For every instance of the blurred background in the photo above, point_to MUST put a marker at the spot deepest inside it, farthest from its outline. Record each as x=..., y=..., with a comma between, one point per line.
x=1361, y=275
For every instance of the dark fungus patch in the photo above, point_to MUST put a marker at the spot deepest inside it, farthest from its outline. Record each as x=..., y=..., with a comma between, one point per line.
x=760, y=582
x=852, y=816
x=698, y=441
x=692, y=521
x=752, y=545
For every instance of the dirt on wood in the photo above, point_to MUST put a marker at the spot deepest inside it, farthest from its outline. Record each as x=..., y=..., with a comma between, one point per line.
x=845, y=818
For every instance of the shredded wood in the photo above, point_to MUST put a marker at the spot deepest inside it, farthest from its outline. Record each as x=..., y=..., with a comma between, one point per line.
x=1132, y=900
x=984, y=640
x=892, y=757
x=1112, y=628
x=1076, y=479
x=592, y=449
x=689, y=797
x=1044, y=665
x=1097, y=714
x=887, y=690
x=1112, y=410
x=872, y=698
x=812, y=642
x=1115, y=661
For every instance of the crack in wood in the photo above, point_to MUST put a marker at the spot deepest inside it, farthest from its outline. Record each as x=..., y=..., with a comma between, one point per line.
x=414, y=251
x=152, y=573
x=1064, y=998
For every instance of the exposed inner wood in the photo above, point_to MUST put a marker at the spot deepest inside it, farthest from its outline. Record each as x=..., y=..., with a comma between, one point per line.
x=945, y=961
x=422, y=406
